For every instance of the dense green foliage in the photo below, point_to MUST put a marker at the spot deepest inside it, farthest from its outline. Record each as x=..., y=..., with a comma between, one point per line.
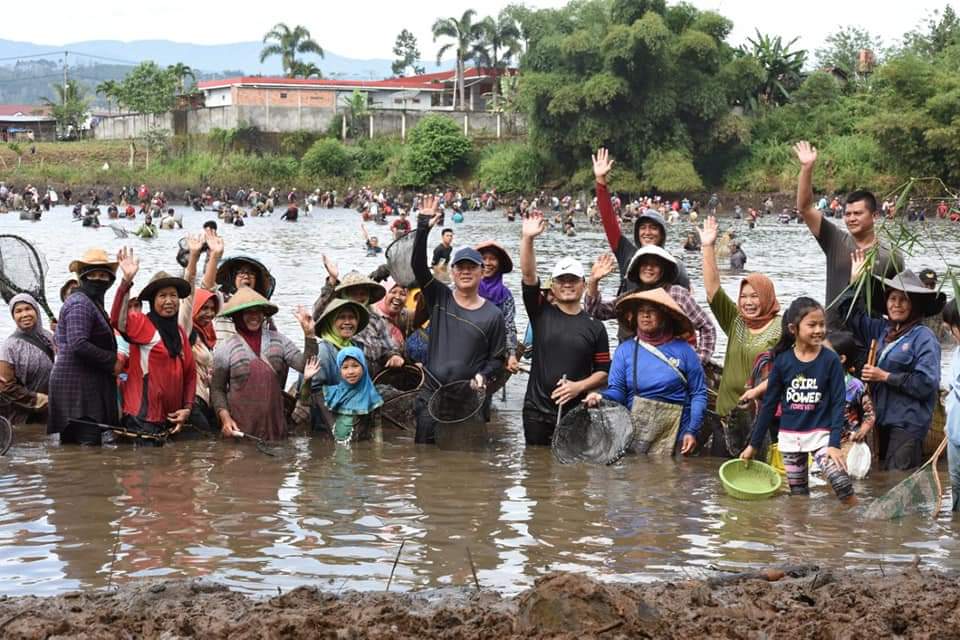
x=69, y=107
x=327, y=157
x=148, y=88
x=435, y=147
x=510, y=168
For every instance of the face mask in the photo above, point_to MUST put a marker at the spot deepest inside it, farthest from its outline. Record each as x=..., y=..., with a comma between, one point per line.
x=96, y=288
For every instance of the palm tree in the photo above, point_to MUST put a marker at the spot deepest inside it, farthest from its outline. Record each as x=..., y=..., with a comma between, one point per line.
x=783, y=68
x=110, y=90
x=181, y=72
x=305, y=70
x=465, y=34
x=69, y=108
x=501, y=41
x=287, y=43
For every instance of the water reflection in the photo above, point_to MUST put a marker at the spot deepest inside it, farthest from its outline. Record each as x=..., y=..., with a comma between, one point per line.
x=317, y=513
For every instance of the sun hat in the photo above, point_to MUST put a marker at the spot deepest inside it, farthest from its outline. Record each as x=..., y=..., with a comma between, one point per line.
x=682, y=327
x=669, y=263
x=160, y=280
x=375, y=290
x=72, y=281
x=928, y=301
x=93, y=258
x=467, y=254
x=567, y=267
x=334, y=307
x=247, y=298
x=506, y=264
x=226, y=273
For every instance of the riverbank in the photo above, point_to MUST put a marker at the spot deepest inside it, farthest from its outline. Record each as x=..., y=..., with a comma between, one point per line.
x=815, y=604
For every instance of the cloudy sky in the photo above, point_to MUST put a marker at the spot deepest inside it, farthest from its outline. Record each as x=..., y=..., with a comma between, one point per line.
x=367, y=29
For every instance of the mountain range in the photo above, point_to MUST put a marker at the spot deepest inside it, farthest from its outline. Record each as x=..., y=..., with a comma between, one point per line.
x=216, y=58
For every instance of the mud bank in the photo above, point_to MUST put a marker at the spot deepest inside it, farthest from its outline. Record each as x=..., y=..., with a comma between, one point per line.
x=819, y=604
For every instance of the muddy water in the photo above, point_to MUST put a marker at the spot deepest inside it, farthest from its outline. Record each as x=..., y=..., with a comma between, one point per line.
x=319, y=514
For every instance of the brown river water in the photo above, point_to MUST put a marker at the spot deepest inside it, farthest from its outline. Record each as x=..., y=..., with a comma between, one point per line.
x=336, y=517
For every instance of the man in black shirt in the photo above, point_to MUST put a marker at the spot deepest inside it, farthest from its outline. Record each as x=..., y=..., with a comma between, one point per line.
x=467, y=333
x=443, y=251
x=566, y=341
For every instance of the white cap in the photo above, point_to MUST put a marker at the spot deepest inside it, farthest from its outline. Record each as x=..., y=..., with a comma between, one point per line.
x=568, y=266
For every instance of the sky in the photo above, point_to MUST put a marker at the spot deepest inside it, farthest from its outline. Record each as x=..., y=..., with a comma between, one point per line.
x=367, y=29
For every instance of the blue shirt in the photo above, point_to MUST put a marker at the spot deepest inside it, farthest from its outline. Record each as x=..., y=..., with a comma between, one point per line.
x=658, y=381
x=812, y=396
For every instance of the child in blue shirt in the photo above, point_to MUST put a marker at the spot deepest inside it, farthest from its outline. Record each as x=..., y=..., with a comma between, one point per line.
x=808, y=383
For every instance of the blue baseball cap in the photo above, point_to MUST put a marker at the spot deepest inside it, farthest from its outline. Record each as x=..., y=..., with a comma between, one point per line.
x=468, y=254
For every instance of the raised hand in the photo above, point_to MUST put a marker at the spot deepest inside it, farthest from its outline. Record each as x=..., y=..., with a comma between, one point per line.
x=602, y=164
x=306, y=321
x=603, y=266
x=431, y=207
x=129, y=263
x=708, y=234
x=195, y=244
x=533, y=225
x=858, y=260
x=215, y=243
x=806, y=153
x=332, y=271
x=310, y=369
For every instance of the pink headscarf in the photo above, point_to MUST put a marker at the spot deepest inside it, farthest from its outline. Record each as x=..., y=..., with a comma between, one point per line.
x=384, y=310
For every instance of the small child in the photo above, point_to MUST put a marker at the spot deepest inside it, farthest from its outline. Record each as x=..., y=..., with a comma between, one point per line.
x=808, y=383
x=860, y=417
x=353, y=401
x=951, y=318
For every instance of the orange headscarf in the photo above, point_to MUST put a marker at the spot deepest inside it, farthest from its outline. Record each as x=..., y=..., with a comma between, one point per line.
x=769, y=306
x=208, y=333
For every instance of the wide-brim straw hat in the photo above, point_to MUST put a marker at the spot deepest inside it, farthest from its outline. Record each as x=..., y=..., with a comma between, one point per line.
x=94, y=258
x=667, y=261
x=161, y=280
x=72, y=281
x=506, y=264
x=334, y=306
x=682, y=326
x=375, y=290
x=227, y=270
x=929, y=302
x=247, y=298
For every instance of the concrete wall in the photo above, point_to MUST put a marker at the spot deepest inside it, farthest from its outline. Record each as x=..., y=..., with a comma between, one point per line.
x=131, y=125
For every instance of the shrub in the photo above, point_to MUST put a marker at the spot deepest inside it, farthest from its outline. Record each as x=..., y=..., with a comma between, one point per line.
x=327, y=157
x=436, y=146
x=296, y=143
x=511, y=168
x=671, y=171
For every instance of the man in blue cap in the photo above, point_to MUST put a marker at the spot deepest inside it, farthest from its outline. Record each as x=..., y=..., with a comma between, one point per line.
x=467, y=333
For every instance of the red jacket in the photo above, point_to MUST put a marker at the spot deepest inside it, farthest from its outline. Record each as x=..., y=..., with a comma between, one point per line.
x=157, y=385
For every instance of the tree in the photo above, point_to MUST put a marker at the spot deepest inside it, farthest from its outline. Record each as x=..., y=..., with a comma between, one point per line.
x=408, y=54
x=305, y=70
x=842, y=49
x=500, y=42
x=69, y=108
x=110, y=90
x=148, y=89
x=783, y=68
x=942, y=31
x=465, y=34
x=287, y=43
x=436, y=146
x=181, y=72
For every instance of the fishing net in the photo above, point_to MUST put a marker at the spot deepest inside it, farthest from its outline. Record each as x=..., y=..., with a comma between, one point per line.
x=399, y=388
x=120, y=232
x=737, y=430
x=22, y=270
x=921, y=493
x=399, y=256
x=600, y=435
x=455, y=402
x=6, y=435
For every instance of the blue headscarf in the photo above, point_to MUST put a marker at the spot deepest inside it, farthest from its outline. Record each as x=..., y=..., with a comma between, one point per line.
x=352, y=399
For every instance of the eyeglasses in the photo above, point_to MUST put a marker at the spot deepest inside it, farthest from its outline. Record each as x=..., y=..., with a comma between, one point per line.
x=246, y=272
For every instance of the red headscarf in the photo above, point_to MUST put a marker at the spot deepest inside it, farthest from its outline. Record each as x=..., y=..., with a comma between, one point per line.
x=208, y=333
x=769, y=306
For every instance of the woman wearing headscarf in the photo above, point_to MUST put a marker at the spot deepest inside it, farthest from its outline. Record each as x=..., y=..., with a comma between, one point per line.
x=905, y=379
x=496, y=263
x=752, y=325
x=339, y=327
x=83, y=381
x=161, y=377
x=26, y=361
x=251, y=367
x=657, y=375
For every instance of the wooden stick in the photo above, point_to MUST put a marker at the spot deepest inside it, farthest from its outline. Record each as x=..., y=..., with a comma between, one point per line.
x=473, y=568
x=872, y=354
x=395, y=561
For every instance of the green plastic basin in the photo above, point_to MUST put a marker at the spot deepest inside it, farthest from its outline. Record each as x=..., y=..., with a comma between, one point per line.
x=751, y=480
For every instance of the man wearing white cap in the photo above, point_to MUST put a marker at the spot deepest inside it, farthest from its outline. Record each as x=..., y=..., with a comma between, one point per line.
x=571, y=353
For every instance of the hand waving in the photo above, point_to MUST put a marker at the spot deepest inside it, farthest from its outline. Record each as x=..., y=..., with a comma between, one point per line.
x=602, y=164
x=806, y=153
x=533, y=225
x=708, y=234
x=129, y=263
x=603, y=266
x=306, y=321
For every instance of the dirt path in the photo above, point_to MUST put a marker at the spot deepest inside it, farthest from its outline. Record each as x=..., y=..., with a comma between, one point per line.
x=914, y=604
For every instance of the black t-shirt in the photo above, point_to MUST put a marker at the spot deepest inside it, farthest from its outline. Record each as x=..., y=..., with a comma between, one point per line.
x=562, y=344
x=441, y=254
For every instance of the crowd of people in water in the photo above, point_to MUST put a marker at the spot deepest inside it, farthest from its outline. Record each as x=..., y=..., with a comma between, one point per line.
x=198, y=352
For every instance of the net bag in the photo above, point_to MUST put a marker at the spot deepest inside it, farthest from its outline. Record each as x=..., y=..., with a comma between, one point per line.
x=921, y=493
x=399, y=388
x=737, y=430
x=405, y=378
x=22, y=270
x=399, y=255
x=455, y=402
x=599, y=435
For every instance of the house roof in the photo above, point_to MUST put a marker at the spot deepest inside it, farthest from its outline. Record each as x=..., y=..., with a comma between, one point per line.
x=426, y=82
x=22, y=110
x=22, y=119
